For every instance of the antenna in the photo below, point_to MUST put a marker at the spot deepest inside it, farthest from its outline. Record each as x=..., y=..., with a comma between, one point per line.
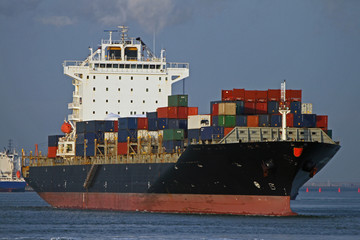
x=123, y=30
x=110, y=34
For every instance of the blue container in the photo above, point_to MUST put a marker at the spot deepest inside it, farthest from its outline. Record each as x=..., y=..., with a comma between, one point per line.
x=295, y=107
x=127, y=123
x=53, y=140
x=123, y=135
x=194, y=134
x=152, y=124
x=241, y=120
x=173, y=123
x=275, y=120
x=298, y=120
x=90, y=150
x=163, y=123
x=173, y=146
x=209, y=133
x=215, y=121
x=80, y=138
x=309, y=120
x=79, y=150
x=240, y=107
x=109, y=126
x=151, y=115
x=273, y=107
x=80, y=127
x=183, y=124
x=264, y=120
x=91, y=136
x=94, y=126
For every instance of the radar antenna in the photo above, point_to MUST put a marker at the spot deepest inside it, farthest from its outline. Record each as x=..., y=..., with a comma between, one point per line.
x=123, y=30
x=284, y=110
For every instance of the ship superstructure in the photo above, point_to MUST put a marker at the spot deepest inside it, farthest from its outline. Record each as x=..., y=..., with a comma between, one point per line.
x=122, y=77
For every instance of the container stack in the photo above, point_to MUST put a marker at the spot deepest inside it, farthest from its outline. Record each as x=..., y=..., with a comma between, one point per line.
x=53, y=141
x=92, y=133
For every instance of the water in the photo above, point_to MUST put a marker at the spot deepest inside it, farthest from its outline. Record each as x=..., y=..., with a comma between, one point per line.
x=325, y=215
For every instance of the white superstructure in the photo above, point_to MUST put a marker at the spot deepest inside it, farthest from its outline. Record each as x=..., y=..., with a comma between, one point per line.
x=121, y=77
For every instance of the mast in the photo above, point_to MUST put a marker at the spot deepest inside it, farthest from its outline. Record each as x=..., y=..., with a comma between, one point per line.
x=284, y=110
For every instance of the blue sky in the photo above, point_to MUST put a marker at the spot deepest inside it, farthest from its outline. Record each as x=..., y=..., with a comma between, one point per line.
x=252, y=44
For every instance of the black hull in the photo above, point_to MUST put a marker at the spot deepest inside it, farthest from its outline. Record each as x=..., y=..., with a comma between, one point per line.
x=258, y=168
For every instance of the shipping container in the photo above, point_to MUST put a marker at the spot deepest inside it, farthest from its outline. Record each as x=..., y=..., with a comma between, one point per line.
x=227, y=130
x=122, y=148
x=261, y=96
x=275, y=120
x=124, y=134
x=173, y=123
x=289, y=120
x=210, y=133
x=183, y=123
x=111, y=136
x=295, y=107
x=227, y=95
x=90, y=137
x=226, y=121
x=52, y=152
x=173, y=146
x=305, y=120
x=90, y=150
x=293, y=95
x=306, y=108
x=215, y=121
x=261, y=108
x=194, y=134
x=151, y=115
x=182, y=112
x=322, y=122
x=250, y=95
x=173, y=134
x=79, y=150
x=127, y=123
x=253, y=121
x=193, y=111
x=177, y=101
x=162, y=112
x=53, y=140
x=116, y=126
x=172, y=112
x=94, y=126
x=152, y=124
x=239, y=94
x=80, y=127
x=264, y=120
x=215, y=109
x=273, y=107
x=250, y=108
x=240, y=107
x=212, y=107
x=142, y=123
x=109, y=126
x=198, y=121
x=162, y=123
x=80, y=138
x=274, y=95
x=329, y=133
x=241, y=120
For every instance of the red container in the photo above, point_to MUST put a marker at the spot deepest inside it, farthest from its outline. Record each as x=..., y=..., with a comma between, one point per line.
x=227, y=130
x=182, y=112
x=322, y=122
x=261, y=108
x=293, y=95
x=290, y=120
x=250, y=108
x=172, y=112
x=274, y=95
x=250, y=95
x=162, y=112
x=194, y=111
x=215, y=109
x=239, y=94
x=116, y=126
x=261, y=96
x=122, y=148
x=142, y=123
x=227, y=95
x=287, y=104
x=253, y=121
x=52, y=152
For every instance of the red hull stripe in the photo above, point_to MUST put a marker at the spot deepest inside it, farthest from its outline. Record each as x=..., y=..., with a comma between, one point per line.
x=175, y=203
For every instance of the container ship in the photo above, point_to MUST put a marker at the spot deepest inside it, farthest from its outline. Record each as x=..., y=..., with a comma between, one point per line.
x=130, y=145
x=10, y=175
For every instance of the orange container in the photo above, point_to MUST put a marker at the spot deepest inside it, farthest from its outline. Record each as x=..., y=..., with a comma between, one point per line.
x=162, y=112
x=239, y=94
x=274, y=95
x=193, y=111
x=253, y=121
x=215, y=109
x=122, y=148
x=182, y=113
x=172, y=112
x=250, y=95
x=261, y=108
x=227, y=130
x=227, y=95
x=52, y=152
x=290, y=120
x=142, y=123
x=261, y=96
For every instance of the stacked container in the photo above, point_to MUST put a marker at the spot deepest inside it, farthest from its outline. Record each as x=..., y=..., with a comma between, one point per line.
x=53, y=141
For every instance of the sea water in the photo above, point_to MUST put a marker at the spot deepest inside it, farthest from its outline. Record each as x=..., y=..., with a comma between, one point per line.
x=325, y=215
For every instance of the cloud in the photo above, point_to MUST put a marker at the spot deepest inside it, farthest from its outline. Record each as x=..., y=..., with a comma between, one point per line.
x=58, y=21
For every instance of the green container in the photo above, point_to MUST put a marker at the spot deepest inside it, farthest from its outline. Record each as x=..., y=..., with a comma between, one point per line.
x=329, y=133
x=173, y=134
x=227, y=121
x=240, y=107
x=178, y=101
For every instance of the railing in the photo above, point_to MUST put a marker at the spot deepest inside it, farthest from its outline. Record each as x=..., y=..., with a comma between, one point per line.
x=177, y=65
x=69, y=63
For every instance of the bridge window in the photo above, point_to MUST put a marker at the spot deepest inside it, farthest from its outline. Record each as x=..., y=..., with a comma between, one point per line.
x=157, y=66
x=152, y=66
x=127, y=65
x=122, y=65
x=133, y=66
x=108, y=66
x=131, y=53
x=146, y=66
x=139, y=66
x=102, y=65
x=115, y=65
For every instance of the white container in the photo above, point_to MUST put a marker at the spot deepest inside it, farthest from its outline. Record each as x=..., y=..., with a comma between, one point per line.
x=199, y=121
x=111, y=136
x=306, y=108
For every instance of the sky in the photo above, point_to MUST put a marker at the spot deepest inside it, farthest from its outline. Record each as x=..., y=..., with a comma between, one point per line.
x=251, y=44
